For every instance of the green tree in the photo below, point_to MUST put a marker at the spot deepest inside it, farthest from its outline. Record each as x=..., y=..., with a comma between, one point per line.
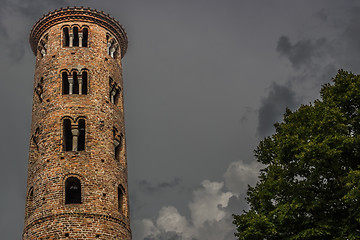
x=310, y=185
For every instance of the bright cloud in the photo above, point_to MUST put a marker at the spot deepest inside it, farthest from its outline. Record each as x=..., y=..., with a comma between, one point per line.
x=210, y=215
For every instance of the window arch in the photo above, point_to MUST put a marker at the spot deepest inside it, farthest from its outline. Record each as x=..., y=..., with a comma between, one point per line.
x=121, y=198
x=72, y=190
x=81, y=137
x=73, y=134
x=112, y=46
x=67, y=135
x=75, y=31
x=85, y=33
x=83, y=83
x=114, y=91
x=39, y=89
x=66, y=37
x=74, y=89
x=118, y=142
x=65, y=82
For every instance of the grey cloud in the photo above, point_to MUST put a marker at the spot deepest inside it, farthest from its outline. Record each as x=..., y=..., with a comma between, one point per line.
x=151, y=188
x=273, y=106
x=166, y=236
x=300, y=54
x=21, y=15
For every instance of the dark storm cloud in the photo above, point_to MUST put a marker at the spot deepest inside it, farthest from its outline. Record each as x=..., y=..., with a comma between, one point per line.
x=151, y=188
x=300, y=54
x=273, y=107
x=21, y=15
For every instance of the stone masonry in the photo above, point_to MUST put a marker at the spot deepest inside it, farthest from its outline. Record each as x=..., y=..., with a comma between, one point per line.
x=77, y=171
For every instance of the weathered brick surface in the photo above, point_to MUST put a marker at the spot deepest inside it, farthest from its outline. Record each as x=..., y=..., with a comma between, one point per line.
x=98, y=216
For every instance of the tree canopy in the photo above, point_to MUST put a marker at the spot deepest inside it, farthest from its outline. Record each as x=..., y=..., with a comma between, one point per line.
x=310, y=185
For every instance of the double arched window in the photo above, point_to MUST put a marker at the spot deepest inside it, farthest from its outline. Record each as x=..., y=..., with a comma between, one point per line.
x=72, y=190
x=74, y=36
x=74, y=82
x=112, y=46
x=73, y=135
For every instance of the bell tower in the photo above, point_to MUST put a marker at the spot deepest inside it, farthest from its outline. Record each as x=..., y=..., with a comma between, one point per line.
x=77, y=170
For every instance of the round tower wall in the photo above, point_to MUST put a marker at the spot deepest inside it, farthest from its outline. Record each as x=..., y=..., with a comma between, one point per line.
x=100, y=173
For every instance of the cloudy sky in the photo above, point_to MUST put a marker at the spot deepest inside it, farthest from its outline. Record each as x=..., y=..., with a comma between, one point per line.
x=204, y=82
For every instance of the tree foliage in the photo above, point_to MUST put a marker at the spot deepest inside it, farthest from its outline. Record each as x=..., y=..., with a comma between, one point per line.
x=310, y=186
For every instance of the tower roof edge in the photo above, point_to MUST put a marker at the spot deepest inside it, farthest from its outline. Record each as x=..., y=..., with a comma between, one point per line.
x=78, y=14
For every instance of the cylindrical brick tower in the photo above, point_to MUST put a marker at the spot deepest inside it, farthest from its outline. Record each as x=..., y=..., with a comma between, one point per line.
x=77, y=171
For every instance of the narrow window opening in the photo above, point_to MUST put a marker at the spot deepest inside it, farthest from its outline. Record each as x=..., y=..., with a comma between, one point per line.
x=68, y=138
x=35, y=138
x=121, y=194
x=66, y=37
x=39, y=89
x=84, y=82
x=76, y=83
x=112, y=46
x=118, y=141
x=72, y=190
x=65, y=82
x=76, y=37
x=85, y=37
x=117, y=96
x=81, y=138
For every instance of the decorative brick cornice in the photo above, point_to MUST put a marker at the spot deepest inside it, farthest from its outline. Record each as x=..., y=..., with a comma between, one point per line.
x=78, y=14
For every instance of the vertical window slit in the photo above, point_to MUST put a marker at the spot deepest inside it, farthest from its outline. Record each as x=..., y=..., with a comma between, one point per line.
x=76, y=37
x=121, y=194
x=76, y=83
x=68, y=138
x=65, y=82
x=66, y=37
x=84, y=82
x=81, y=139
x=85, y=37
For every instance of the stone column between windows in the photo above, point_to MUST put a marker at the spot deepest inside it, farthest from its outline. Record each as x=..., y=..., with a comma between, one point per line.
x=80, y=84
x=75, y=134
x=80, y=39
x=71, y=84
x=71, y=38
x=112, y=95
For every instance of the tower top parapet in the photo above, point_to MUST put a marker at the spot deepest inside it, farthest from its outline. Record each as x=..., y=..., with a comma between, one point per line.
x=82, y=14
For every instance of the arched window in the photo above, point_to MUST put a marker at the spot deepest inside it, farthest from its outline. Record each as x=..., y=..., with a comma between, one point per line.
x=76, y=36
x=75, y=87
x=39, y=89
x=118, y=141
x=85, y=37
x=121, y=197
x=66, y=39
x=114, y=91
x=81, y=138
x=112, y=46
x=84, y=81
x=65, y=83
x=72, y=190
x=67, y=135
